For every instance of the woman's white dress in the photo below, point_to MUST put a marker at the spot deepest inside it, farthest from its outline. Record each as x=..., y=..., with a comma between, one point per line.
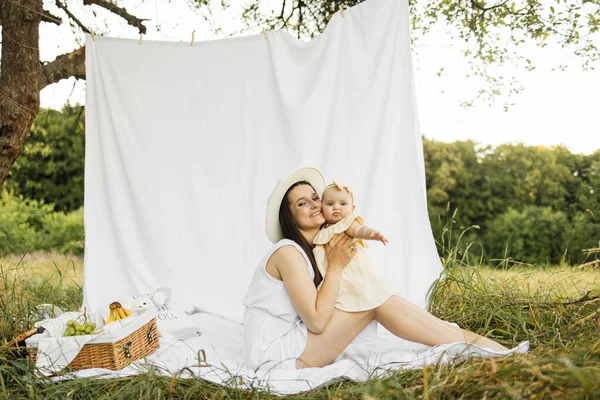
x=274, y=334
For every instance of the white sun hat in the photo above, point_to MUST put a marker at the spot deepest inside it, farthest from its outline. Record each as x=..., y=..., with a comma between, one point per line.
x=310, y=174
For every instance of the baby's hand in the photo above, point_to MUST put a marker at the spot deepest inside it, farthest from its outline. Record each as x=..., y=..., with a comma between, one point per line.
x=379, y=236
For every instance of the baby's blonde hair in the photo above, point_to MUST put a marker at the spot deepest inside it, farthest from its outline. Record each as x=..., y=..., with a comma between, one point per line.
x=340, y=187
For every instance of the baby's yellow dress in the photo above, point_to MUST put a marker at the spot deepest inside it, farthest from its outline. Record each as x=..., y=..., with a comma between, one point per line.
x=361, y=287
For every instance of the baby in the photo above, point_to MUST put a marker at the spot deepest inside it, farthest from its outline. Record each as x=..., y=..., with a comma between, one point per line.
x=360, y=287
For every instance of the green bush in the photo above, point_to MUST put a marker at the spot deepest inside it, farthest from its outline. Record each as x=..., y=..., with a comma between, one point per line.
x=50, y=168
x=64, y=232
x=30, y=225
x=583, y=233
x=533, y=234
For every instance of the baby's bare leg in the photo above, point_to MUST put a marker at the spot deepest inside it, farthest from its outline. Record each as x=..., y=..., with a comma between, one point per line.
x=324, y=348
x=406, y=320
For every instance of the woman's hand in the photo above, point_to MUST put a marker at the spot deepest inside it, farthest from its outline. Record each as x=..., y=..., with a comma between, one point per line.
x=340, y=250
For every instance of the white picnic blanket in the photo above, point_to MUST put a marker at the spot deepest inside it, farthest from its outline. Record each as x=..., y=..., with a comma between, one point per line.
x=222, y=343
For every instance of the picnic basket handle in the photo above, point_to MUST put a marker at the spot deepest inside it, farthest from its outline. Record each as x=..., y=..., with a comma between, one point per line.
x=25, y=335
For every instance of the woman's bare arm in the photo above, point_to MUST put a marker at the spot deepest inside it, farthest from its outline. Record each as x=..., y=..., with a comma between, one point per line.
x=315, y=308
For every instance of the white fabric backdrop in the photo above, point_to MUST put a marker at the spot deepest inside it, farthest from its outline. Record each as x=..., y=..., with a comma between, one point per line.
x=184, y=144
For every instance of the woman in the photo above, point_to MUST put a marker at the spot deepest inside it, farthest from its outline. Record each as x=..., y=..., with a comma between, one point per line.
x=291, y=325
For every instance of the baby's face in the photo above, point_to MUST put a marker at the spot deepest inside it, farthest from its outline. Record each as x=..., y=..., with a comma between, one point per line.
x=337, y=204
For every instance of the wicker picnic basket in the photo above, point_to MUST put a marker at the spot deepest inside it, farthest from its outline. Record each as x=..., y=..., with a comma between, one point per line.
x=114, y=355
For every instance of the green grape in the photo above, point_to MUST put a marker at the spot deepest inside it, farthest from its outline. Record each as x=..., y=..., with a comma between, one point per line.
x=88, y=330
x=70, y=322
x=93, y=326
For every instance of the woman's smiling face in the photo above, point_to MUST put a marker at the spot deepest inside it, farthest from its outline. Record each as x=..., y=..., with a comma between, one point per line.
x=305, y=206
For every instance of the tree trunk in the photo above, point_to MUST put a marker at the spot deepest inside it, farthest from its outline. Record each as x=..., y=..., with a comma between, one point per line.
x=19, y=78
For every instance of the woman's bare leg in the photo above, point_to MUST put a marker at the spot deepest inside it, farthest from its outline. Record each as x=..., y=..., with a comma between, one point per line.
x=324, y=348
x=406, y=320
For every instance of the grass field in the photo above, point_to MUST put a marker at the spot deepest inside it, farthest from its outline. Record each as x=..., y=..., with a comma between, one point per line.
x=42, y=267
x=556, y=308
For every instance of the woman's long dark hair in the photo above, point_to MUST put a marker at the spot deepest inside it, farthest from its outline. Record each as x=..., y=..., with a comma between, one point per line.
x=289, y=230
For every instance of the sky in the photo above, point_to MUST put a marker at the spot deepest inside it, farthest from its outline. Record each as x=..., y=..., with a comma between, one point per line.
x=555, y=107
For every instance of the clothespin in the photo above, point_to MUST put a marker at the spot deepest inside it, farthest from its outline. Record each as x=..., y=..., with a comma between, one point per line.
x=140, y=41
x=342, y=10
x=193, y=37
x=93, y=35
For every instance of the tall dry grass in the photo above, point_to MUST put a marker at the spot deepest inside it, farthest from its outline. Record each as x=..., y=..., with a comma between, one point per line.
x=43, y=266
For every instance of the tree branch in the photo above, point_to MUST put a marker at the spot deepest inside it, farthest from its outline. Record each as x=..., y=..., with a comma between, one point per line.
x=480, y=7
x=583, y=299
x=44, y=15
x=131, y=20
x=63, y=67
x=285, y=21
x=71, y=16
x=47, y=17
x=282, y=9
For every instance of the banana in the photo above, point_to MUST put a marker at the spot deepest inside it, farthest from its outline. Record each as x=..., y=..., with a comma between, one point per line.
x=111, y=318
x=126, y=311
x=117, y=312
x=120, y=313
x=114, y=304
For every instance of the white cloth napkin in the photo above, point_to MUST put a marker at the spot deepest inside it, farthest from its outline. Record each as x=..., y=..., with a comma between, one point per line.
x=55, y=351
